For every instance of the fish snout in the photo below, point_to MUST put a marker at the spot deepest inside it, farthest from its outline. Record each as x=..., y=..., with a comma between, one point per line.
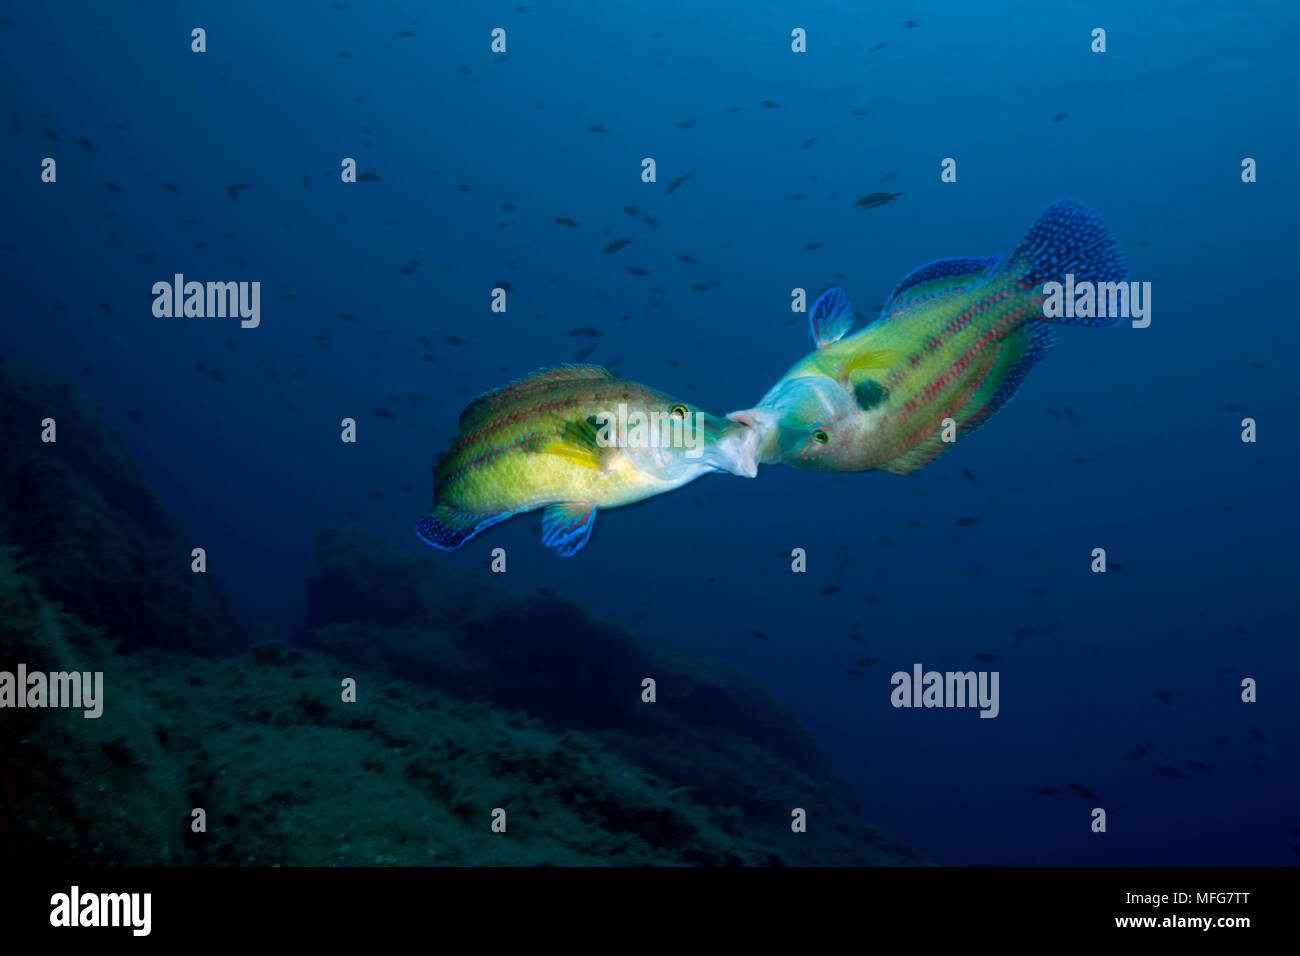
x=737, y=451
x=746, y=417
x=761, y=428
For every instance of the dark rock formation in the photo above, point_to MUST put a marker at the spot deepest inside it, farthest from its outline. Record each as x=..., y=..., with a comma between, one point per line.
x=712, y=735
x=470, y=700
x=95, y=537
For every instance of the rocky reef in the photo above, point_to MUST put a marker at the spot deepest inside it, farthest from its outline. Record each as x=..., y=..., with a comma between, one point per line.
x=95, y=536
x=469, y=698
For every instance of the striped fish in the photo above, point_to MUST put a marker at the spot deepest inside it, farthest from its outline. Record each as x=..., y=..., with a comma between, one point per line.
x=569, y=440
x=954, y=342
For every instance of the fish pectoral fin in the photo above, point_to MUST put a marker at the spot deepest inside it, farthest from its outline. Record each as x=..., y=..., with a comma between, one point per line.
x=577, y=442
x=868, y=360
x=579, y=456
x=447, y=528
x=567, y=526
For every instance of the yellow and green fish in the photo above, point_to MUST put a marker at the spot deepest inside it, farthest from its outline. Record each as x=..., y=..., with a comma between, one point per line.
x=572, y=439
x=952, y=345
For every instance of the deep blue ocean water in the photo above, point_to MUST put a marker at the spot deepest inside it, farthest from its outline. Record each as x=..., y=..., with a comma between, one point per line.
x=1148, y=463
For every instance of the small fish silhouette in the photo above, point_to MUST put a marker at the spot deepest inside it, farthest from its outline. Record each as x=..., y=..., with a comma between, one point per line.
x=872, y=200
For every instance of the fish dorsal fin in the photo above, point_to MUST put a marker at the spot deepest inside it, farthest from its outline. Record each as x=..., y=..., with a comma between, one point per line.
x=942, y=275
x=539, y=381
x=831, y=317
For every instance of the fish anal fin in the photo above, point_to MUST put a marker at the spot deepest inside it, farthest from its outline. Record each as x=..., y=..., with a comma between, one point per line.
x=1017, y=354
x=926, y=451
x=447, y=528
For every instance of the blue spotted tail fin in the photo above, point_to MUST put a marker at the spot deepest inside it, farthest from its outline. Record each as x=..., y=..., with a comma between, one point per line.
x=1069, y=239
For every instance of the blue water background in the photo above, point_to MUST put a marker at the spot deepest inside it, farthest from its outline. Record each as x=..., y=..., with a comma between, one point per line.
x=1153, y=138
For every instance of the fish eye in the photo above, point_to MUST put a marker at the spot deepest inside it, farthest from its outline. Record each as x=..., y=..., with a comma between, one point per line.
x=821, y=437
x=679, y=412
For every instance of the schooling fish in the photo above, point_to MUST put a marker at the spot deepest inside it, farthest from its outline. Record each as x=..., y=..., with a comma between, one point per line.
x=572, y=439
x=954, y=341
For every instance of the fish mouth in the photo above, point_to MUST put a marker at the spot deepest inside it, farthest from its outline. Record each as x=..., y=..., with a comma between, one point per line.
x=761, y=429
x=736, y=449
